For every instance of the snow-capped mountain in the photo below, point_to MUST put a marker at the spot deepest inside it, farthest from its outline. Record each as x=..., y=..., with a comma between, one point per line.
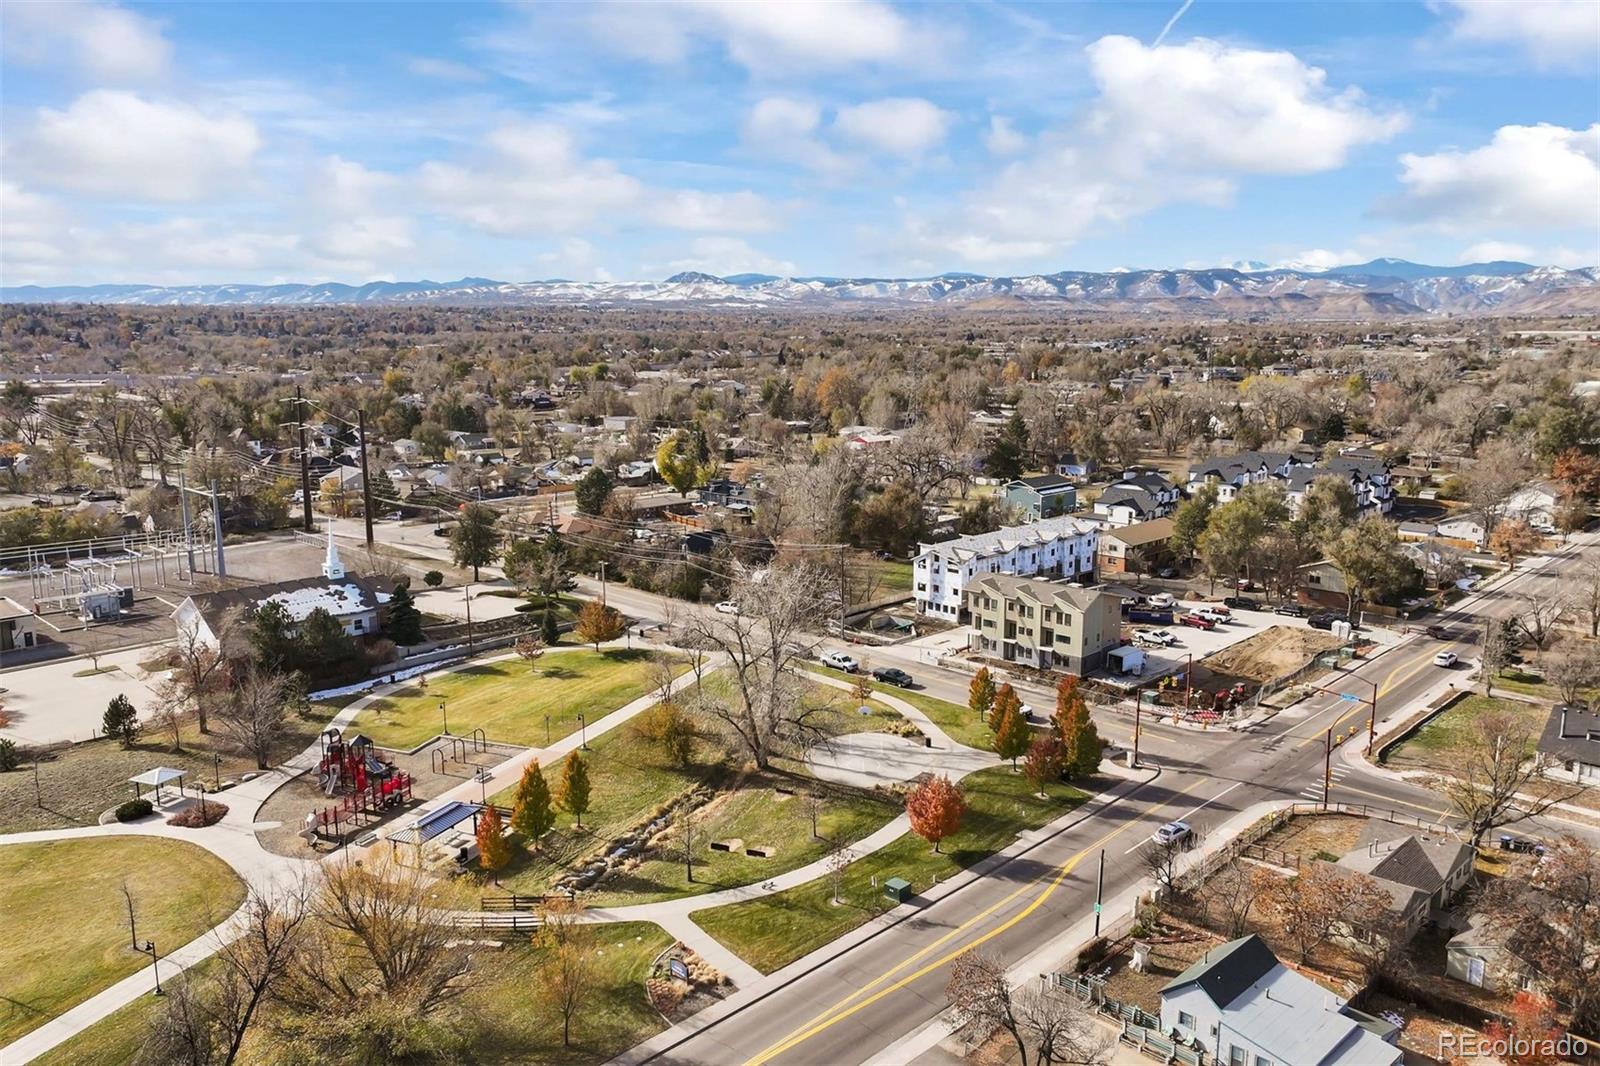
x=1383, y=287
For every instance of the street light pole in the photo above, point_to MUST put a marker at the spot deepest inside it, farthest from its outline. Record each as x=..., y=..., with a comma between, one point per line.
x=583, y=733
x=1099, y=891
x=1372, y=723
x=1138, y=722
x=1327, y=764
x=445, y=715
x=155, y=964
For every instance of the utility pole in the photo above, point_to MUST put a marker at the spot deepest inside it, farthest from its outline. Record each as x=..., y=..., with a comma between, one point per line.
x=1099, y=891
x=216, y=529
x=1372, y=723
x=366, y=482
x=1327, y=765
x=188, y=530
x=602, y=582
x=841, y=594
x=305, y=462
x=1138, y=721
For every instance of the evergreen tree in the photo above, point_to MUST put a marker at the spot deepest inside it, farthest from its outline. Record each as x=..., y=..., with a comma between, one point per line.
x=384, y=495
x=405, y=621
x=474, y=541
x=549, y=631
x=532, y=815
x=272, y=636
x=592, y=491
x=573, y=790
x=980, y=693
x=322, y=648
x=1008, y=454
x=121, y=720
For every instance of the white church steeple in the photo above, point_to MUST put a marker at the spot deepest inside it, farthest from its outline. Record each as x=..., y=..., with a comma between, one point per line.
x=332, y=568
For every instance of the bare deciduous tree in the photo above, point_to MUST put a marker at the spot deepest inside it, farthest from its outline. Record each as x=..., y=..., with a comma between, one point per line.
x=1572, y=666
x=1045, y=1024
x=1499, y=780
x=1552, y=922
x=1322, y=900
x=256, y=713
x=1233, y=892
x=566, y=973
x=1538, y=614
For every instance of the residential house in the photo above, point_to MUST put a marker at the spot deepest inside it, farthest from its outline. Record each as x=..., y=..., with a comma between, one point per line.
x=1051, y=547
x=1043, y=624
x=407, y=449
x=1230, y=473
x=356, y=602
x=1478, y=956
x=1322, y=583
x=618, y=423
x=1536, y=504
x=1148, y=539
x=1468, y=528
x=724, y=492
x=1571, y=741
x=1070, y=465
x=1044, y=496
x=1247, y=1009
x=1369, y=479
x=1140, y=496
x=1421, y=873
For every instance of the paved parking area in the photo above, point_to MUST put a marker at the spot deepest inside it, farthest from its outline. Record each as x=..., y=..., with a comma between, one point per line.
x=1199, y=643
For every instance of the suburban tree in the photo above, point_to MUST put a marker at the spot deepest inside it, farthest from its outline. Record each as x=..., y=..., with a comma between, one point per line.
x=670, y=729
x=1578, y=473
x=404, y=622
x=598, y=624
x=572, y=791
x=256, y=714
x=935, y=808
x=433, y=579
x=1189, y=521
x=1080, y=740
x=567, y=967
x=593, y=490
x=1322, y=900
x=475, y=541
x=529, y=649
x=980, y=693
x=1369, y=557
x=1531, y=1033
x=1011, y=733
x=1233, y=892
x=532, y=814
x=1005, y=701
x=201, y=666
x=549, y=631
x=1501, y=468
x=1327, y=508
x=170, y=709
x=1513, y=539
x=494, y=850
x=271, y=636
x=678, y=464
x=1500, y=779
x=121, y=720
x=1551, y=919
x=1538, y=612
x=1008, y=454
x=1573, y=667
x=1044, y=761
x=1041, y=1022
x=838, y=861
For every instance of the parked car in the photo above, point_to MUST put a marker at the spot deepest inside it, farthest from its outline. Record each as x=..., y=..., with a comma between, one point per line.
x=1173, y=833
x=1166, y=571
x=840, y=661
x=1324, y=620
x=1163, y=599
x=727, y=607
x=1438, y=632
x=1242, y=603
x=1520, y=844
x=393, y=515
x=1197, y=621
x=1445, y=658
x=1160, y=618
x=1290, y=610
x=1244, y=584
x=892, y=675
x=443, y=531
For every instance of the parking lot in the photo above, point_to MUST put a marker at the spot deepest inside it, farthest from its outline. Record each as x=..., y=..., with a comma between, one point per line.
x=1199, y=643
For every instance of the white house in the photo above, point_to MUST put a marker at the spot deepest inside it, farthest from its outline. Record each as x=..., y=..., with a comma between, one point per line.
x=1247, y=1009
x=1369, y=481
x=1230, y=473
x=1141, y=496
x=407, y=449
x=1052, y=547
x=1467, y=526
x=1535, y=504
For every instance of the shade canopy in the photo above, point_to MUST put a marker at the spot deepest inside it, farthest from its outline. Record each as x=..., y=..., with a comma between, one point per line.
x=161, y=775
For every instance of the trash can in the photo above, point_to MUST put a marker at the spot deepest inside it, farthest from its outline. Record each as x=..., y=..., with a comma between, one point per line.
x=897, y=889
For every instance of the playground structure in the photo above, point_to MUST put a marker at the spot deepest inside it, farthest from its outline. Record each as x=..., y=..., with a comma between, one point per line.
x=371, y=786
x=349, y=765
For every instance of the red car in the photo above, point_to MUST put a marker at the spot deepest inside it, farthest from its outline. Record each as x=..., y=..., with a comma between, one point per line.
x=1197, y=622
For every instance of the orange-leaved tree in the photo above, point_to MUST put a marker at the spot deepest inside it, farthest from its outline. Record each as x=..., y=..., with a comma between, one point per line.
x=935, y=808
x=1080, y=741
x=1044, y=761
x=980, y=693
x=1011, y=733
x=598, y=623
x=494, y=851
x=532, y=815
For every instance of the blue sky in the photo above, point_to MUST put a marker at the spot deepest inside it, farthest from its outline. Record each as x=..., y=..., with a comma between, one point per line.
x=215, y=142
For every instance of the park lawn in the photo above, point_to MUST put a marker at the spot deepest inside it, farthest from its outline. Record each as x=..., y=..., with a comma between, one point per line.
x=509, y=701
x=514, y=1027
x=958, y=722
x=631, y=782
x=119, y=1036
x=775, y=930
x=564, y=607
x=67, y=895
x=77, y=784
x=1441, y=742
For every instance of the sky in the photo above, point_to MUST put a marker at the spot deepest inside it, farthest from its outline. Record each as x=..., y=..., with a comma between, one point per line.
x=212, y=142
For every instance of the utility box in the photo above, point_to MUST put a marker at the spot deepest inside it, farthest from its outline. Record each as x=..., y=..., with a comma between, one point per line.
x=897, y=889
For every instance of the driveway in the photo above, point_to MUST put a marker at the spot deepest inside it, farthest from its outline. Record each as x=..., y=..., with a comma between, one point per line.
x=48, y=704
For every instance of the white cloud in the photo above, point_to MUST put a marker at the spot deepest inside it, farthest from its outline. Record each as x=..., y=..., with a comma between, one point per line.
x=901, y=125
x=443, y=69
x=1236, y=109
x=1552, y=32
x=787, y=129
x=1541, y=176
x=796, y=35
x=1488, y=251
x=126, y=146
x=1171, y=124
x=535, y=181
x=1002, y=138
x=729, y=255
x=106, y=44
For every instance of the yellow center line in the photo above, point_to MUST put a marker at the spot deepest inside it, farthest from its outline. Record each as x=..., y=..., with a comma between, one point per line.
x=1390, y=800
x=843, y=1009
x=1411, y=669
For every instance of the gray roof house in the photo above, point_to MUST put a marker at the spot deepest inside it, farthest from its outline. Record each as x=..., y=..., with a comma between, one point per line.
x=1571, y=740
x=1247, y=1009
x=1042, y=496
x=1421, y=873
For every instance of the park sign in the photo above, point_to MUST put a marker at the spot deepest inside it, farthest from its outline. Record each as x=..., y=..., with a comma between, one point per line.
x=678, y=968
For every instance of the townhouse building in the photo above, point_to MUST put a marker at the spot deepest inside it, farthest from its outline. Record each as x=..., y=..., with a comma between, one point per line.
x=1060, y=547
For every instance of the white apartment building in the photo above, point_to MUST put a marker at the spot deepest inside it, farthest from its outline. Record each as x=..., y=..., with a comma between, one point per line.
x=1061, y=547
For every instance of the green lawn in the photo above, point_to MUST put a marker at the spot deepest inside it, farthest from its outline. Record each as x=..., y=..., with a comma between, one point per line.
x=509, y=701
x=118, y=1037
x=1441, y=742
x=632, y=781
x=67, y=922
x=516, y=1028
x=957, y=721
x=775, y=930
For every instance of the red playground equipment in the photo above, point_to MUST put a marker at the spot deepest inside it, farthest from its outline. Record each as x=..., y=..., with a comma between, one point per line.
x=370, y=785
x=348, y=765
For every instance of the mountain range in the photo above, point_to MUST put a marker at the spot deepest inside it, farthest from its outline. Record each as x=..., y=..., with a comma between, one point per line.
x=1381, y=288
